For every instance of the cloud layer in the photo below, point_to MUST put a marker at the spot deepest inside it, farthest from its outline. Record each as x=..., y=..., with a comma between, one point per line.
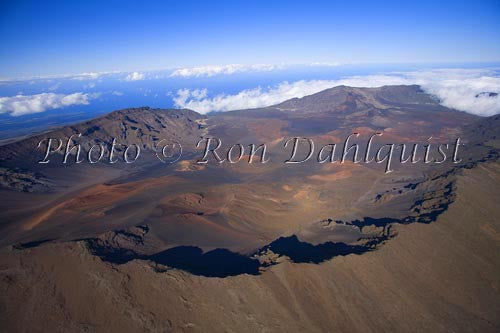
x=135, y=76
x=456, y=88
x=212, y=70
x=27, y=104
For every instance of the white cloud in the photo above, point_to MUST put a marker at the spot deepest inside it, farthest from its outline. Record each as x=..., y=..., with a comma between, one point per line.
x=87, y=76
x=55, y=86
x=212, y=70
x=27, y=104
x=325, y=64
x=456, y=88
x=135, y=76
x=49, y=78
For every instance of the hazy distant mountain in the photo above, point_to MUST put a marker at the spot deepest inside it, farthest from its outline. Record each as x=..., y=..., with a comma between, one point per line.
x=142, y=126
x=343, y=98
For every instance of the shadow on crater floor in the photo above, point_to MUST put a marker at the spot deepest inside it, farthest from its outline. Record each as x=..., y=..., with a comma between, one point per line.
x=302, y=252
x=216, y=263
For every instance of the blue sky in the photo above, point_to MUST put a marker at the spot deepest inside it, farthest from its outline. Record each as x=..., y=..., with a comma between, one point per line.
x=63, y=37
